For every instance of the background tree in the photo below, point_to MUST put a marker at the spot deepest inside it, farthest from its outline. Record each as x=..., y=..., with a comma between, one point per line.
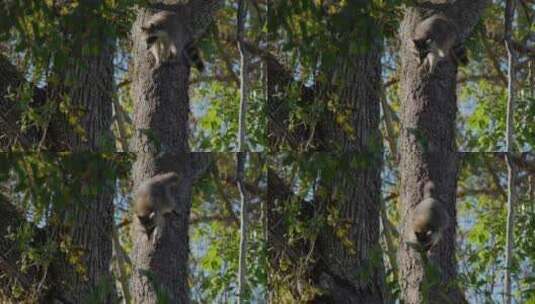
x=55, y=243
x=78, y=86
x=38, y=190
x=60, y=98
x=323, y=233
x=36, y=49
x=333, y=103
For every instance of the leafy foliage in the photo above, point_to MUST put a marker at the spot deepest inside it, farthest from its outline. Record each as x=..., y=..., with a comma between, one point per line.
x=46, y=187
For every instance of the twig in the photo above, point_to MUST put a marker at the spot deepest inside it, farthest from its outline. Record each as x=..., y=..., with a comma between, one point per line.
x=509, y=142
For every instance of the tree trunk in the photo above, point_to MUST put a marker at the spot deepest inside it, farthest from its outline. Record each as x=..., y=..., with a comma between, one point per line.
x=85, y=88
x=278, y=84
x=160, y=140
x=347, y=91
x=91, y=233
x=164, y=261
x=418, y=283
x=357, y=82
x=161, y=101
x=347, y=266
x=161, y=265
x=88, y=85
x=91, y=90
x=428, y=152
x=79, y=230
x=355, y=273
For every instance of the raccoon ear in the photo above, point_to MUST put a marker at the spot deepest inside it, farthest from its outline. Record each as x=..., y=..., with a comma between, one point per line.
x=151, y=40
x=173, y=49
x=419, y=235
x=420, y=44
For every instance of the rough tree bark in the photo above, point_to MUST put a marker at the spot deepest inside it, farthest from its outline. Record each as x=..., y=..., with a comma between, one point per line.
x=161, y=101
x=160, y=267
x=91, y=90
x=417, y=285
x=342, y=273
x=427, y=149
x=91, y=233
x=88, y=81
x=355, y=80
x=278, y=83
x=79, y=228
x=345, y=275
x=160, y=140
x=89, y=87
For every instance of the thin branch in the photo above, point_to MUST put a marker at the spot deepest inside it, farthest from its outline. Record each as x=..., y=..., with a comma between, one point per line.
x=494, y=59
x=496, y=180
x=392, y=81
x=225, y=57
x=250, y=187
x=226, y=200
x=122, y=261
x=467, y=78
x=7, y=268
x=14, y=132
x=244, y=86
x=242, y=266
x=203, y=79
x=241, y=155
x=121, y=122
x=210, y=218
x=388, y=119
x=509, y=143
